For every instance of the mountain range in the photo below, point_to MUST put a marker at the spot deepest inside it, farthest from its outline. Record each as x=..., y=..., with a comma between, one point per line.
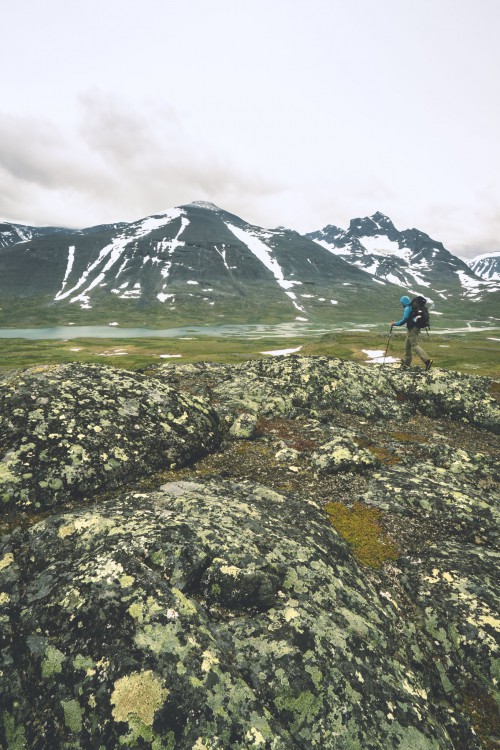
x=198, y=263
x=486, y=266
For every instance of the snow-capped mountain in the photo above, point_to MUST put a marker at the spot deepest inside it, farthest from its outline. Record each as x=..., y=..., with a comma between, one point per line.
x=199, y=263
x=410, y=259
x=12, y=233
x=193, y=262
x=486, y=266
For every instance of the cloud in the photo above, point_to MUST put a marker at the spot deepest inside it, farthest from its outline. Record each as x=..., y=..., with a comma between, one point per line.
x=119, y=163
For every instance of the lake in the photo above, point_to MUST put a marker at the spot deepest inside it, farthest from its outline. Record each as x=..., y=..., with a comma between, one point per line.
x=257, y=331
x=281, y=330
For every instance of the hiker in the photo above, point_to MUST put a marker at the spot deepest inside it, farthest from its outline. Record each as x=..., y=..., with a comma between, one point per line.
x=411, y=343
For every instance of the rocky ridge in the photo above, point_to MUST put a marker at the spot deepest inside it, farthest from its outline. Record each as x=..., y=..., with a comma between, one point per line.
x=410, y=258
x=287, y=553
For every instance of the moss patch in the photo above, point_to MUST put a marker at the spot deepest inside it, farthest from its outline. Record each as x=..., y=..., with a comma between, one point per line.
x=360, y=527
x=408, y=437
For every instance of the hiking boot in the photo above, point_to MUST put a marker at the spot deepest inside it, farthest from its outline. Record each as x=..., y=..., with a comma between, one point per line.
x=428, y=364
x=405, y=366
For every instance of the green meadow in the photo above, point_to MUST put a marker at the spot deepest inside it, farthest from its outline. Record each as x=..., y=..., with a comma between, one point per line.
x=472, y=352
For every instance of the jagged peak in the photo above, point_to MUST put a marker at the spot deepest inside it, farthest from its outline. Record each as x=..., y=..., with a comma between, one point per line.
x=378, y=216
x=377, y=221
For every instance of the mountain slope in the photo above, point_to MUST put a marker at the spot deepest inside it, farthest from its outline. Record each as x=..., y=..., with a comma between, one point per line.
x=192, y=263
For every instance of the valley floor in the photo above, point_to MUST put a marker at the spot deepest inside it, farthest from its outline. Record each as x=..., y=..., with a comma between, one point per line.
x=473, y=352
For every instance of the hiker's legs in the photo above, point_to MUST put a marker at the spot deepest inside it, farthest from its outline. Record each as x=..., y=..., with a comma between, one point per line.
x=412, y=342
x=407, y=359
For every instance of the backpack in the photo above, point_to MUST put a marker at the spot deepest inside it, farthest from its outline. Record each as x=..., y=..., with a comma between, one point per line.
x=420, y=312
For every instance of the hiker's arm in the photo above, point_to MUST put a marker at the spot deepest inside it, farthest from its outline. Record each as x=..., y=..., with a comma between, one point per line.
x=405, y=317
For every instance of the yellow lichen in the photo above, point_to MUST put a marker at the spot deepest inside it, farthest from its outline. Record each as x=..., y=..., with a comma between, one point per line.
x=67, y=530
x=255, y=737
x=291, y=614
x=135, y=610
x=203, y=744
x=230, y=570
x=494, y=622
x=140, y=695
x=209, y=660
x=126, y=581
x=6, y=560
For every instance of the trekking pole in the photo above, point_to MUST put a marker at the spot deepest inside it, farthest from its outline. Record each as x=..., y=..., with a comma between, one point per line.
x=387, y=347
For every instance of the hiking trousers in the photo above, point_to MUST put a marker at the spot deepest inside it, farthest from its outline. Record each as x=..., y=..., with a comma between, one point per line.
x=412, y=347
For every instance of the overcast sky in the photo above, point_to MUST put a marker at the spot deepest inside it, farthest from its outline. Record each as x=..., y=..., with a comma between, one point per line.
x=299, y=113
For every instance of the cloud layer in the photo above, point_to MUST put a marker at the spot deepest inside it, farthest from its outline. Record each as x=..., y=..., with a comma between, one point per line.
x=286, y=113
x=118, y=164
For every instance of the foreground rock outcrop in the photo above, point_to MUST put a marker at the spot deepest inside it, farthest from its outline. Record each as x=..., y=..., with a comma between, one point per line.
x=296, y=385
x=70, y=431
x=300, y=553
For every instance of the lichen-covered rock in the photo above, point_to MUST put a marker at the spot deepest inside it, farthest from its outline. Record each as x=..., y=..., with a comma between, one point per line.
x=67, y=431
x=214, y=615
x=295, y=385
x=342, y=454
x=448, y=393
x=288, y=386
x=472, y=466
x=438, y=498
x=287, y=455
x=244, y=427
x=456, y=589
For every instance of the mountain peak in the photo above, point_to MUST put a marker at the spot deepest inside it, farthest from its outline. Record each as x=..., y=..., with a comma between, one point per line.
x=204, y=204
x=371, y=225
x=381, y=219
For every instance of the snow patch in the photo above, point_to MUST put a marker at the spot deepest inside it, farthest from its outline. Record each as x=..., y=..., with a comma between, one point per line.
x=418, y=278
x=205, y=204
x=495, y=254
x=373, y=268
x=263, y=253
x=332, y=249
x=393, y=279
x=280, y=352
x=382, y=245
x=69, y=266
x=222, y=254
x=110, y=254
x=376, y=356
x=467, y=282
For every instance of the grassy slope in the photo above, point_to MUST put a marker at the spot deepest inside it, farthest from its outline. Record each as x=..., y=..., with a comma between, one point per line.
x=471, y=353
